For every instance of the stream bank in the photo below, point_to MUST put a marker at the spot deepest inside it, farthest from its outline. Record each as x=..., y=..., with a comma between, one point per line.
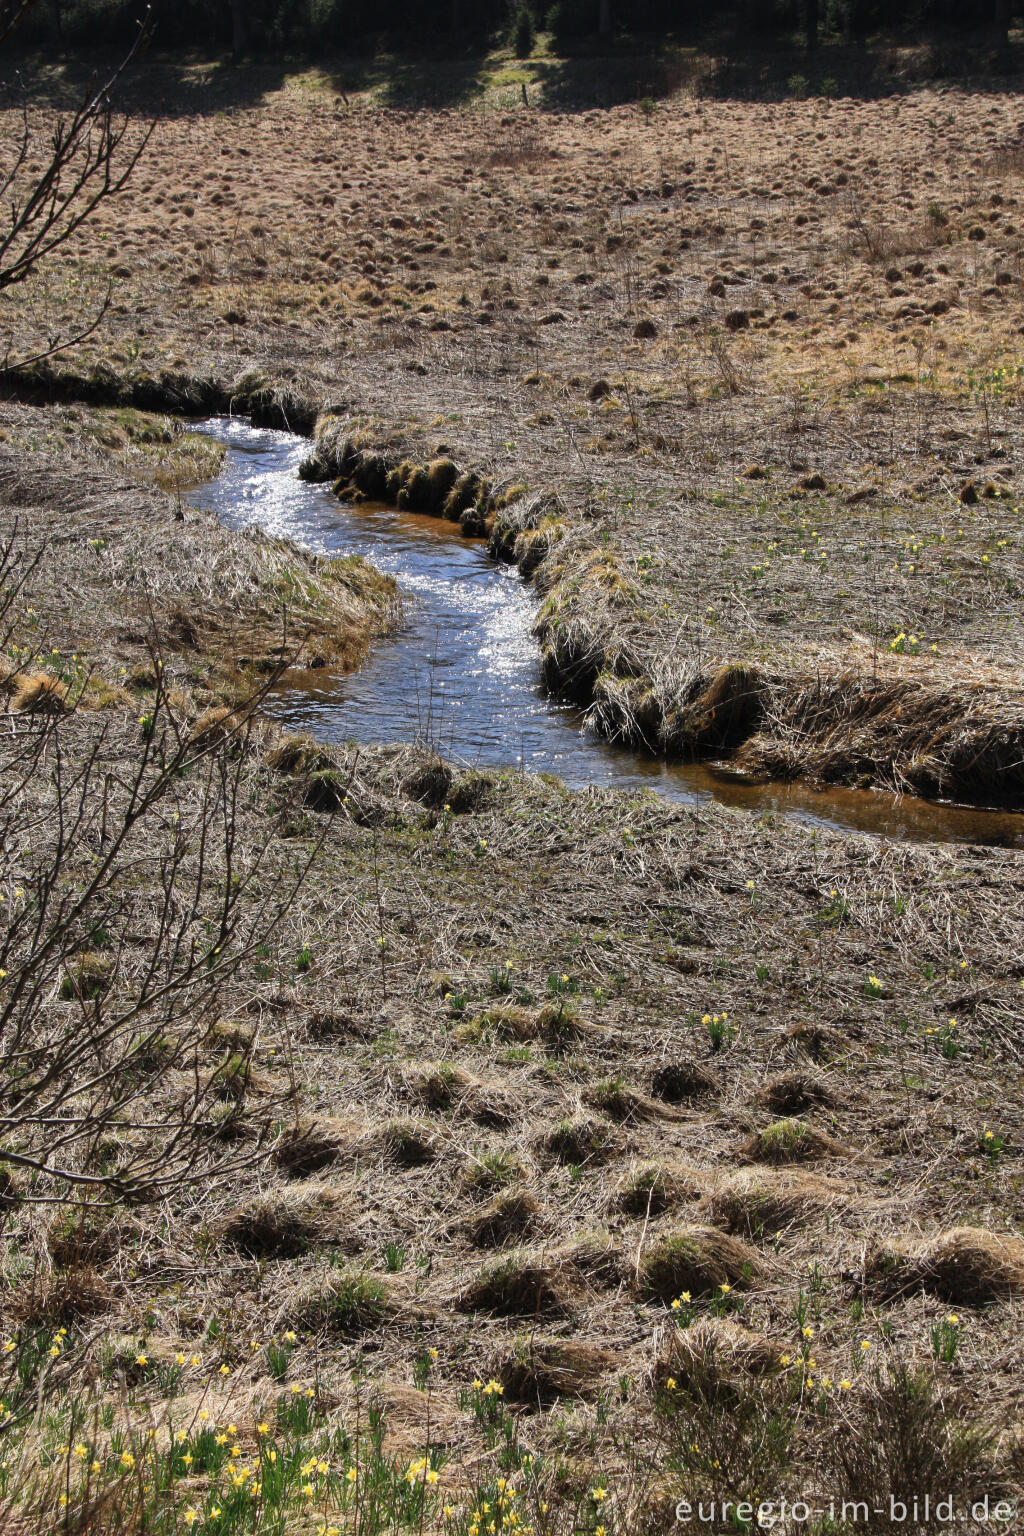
x=464, y=675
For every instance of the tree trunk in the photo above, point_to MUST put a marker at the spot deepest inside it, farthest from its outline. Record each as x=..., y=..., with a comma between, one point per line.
x=860, y=20
x=455, y=24
x=811, y=23
x=604, y=20
x=55, y=25
x=239, y=31
x=1001, y=24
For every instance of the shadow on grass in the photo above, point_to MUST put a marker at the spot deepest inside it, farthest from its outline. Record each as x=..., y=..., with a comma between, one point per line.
x=587, y=73
x=406, y=83
x=179, y=84
x=727, y=63
x=864, y=71
x=158, y=85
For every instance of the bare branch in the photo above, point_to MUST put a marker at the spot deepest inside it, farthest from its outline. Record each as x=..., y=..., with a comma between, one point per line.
x=129, y=905
x=89, y=158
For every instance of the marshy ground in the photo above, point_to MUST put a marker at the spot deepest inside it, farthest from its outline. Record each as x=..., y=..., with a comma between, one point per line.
x=766, y=353
x=624, y=1152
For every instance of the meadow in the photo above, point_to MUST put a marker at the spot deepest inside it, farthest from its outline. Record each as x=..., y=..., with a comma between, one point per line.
x=395, y=1145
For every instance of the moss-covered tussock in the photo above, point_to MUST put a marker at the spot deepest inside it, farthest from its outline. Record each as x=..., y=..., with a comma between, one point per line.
x=520, y=528
x=268, y=403
x=344, y=453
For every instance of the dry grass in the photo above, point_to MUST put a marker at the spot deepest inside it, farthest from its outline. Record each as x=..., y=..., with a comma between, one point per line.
x=229, y=611
x=967, y=1266
x=438, y=1157
x=809, y=452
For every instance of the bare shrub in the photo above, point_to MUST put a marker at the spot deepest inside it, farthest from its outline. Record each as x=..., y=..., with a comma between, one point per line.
x=908, y=1440
x=53, y=179
x=110, y=985
x=727, y=1418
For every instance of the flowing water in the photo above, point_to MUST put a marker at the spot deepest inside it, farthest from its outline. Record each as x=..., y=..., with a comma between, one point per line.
x=464, y=672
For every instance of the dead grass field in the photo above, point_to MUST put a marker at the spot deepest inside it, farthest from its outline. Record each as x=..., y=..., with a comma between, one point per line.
x=697, y=1135
x=767, y=354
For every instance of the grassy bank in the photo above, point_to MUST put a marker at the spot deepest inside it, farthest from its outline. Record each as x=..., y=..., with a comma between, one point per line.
x=125, y=576
x=897, y=715
x=884, y=705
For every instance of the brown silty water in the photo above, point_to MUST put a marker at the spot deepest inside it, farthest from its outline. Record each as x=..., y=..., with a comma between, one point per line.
x=463, y=674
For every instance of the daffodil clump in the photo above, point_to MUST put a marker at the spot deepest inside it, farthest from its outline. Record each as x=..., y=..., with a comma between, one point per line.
x=722, y=1300
x=165, y=1471
x=946, y=1335
x=155, y=1458
x=719, y=1029
x=128, y=1439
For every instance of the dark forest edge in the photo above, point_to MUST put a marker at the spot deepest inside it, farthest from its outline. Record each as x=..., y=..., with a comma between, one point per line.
x=850, y=44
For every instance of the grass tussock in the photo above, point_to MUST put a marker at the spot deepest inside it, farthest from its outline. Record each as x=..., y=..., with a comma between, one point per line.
x=286, y=1222
x=87, y=1238
x=494, y=1171
x=698, y=1259
x=446, y=1089
x=685, y=1081
x=655, y=1187
x=625, y=1104
x=215, y=725
x=343, y=1304
x=595, y=1256
x=507, y=1022
x=519, y=1287
x=966, y=1266
x=67, y=1296
x=792, y=1141
x=358, y=472
x=295, y=754
x=511, y=1216
x=580, y=1140
x=39, y=693
x=732, y=1350
x=537, y=1372
x=315, y=1144
x=794, y=1093
x=87, y=976
x=759, y=1204
x=723, y=713
x=441, y=1087
x=406, y=1143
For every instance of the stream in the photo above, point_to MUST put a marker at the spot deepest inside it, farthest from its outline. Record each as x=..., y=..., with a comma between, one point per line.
x=463, y=673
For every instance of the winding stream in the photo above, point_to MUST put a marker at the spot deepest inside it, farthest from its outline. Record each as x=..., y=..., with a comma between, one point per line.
x=464, y=673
